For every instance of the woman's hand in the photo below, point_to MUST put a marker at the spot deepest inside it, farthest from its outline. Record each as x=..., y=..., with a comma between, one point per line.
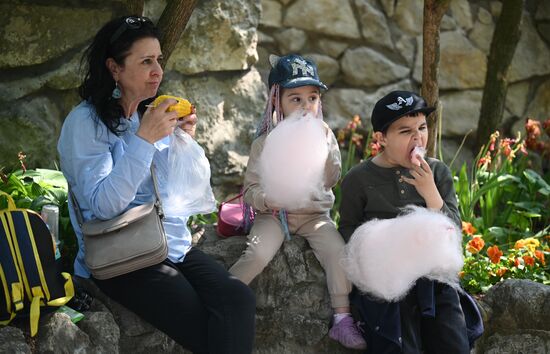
x=157, y=123
x=189, y=123
x=423, y=181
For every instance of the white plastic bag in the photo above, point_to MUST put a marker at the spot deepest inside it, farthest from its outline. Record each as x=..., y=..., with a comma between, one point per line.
x=188, y=186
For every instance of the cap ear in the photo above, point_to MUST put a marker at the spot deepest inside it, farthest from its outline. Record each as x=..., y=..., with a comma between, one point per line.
x=273, y=60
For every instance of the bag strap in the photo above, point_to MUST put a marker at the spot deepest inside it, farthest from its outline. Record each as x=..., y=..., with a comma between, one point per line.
x=158, y=203
x=232, y=199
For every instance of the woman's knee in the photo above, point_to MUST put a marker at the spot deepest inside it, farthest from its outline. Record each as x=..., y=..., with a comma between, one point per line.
x=241, y=295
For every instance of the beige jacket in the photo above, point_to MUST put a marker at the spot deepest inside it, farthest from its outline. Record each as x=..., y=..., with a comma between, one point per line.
x=320, y=203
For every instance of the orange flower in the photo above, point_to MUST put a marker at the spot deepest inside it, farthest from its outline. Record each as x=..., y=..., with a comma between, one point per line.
x=461, y=274
x=501, y=271
x=530, y=261
x=494, y=254
x=517, y=262
x=468, y=228
x=540, y=256
x=475, y=245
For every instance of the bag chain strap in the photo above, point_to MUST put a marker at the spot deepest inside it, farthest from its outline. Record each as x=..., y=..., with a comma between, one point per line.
x=158, y=203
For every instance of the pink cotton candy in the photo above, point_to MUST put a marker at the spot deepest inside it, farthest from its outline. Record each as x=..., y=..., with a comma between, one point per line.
x=384, y=258
x=418, y=150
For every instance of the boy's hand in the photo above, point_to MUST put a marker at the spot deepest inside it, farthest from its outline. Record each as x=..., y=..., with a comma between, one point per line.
x=423, y=181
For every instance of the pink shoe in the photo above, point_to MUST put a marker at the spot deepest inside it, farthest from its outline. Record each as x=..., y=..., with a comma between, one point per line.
x=347, y=334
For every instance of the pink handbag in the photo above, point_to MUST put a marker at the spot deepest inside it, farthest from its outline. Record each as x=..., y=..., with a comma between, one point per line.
x=232, y=215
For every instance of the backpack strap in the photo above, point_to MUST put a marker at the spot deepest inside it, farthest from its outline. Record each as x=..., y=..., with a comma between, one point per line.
x=11, y=283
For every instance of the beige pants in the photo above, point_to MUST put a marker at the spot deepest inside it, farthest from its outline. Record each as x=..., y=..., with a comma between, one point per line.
x=266, y=237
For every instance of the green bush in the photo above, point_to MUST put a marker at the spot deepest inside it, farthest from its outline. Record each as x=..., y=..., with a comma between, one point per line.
x=32, y=189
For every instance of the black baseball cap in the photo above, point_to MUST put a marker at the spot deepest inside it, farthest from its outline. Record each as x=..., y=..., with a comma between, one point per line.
x=395, y=105
x=292, y=71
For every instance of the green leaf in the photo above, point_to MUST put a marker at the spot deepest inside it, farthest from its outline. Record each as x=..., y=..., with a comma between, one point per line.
x=36, y=190
x=51, y=177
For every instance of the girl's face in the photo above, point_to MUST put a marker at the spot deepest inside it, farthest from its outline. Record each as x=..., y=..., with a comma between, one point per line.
x=401, y=138
x=140, y=75
x=306, y=98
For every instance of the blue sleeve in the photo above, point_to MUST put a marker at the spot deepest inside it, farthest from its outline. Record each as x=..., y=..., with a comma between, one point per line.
x=104, y=170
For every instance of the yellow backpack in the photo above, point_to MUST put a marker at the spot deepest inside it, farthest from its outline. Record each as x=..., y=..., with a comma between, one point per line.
x=29, y=277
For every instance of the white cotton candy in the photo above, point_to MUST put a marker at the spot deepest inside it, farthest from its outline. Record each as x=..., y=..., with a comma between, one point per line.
x=384, y=258
x=292, y=163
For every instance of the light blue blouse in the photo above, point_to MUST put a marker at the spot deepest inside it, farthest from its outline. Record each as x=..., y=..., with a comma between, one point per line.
x=110, y=174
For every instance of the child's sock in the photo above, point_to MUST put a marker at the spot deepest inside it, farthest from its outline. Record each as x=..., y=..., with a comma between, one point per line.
x=340, y=316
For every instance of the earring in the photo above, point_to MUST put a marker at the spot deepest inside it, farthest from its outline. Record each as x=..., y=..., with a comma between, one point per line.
x=116, y=92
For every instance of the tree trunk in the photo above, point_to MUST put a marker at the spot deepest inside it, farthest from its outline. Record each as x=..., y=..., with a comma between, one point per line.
x=172, y=23
x=134, y=7
x=503, y=47
x=433, y=13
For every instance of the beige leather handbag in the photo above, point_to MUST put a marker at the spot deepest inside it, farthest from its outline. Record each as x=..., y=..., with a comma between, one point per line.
x=131, y=241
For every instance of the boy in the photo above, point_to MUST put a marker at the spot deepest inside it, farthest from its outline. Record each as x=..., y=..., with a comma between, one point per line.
x=294, y=85
x=430, y=318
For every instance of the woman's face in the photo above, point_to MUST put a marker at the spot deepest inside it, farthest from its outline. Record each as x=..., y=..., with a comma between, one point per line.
x=402, y=137
x=305, y=98
x=140, y=76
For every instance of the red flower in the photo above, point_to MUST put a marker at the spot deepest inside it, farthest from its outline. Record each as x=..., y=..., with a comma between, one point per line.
x=492, y=141
x=517, y=262
x=530, y=261
x=374, y=148
x=475, y=245
x=494, y=254
x=484, y=161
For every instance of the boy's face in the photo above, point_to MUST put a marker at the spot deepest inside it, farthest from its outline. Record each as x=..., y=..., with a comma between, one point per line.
x=304, y=98
x=402, y=137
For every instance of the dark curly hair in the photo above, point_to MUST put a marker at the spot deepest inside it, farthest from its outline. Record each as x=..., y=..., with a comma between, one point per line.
x=112, y=41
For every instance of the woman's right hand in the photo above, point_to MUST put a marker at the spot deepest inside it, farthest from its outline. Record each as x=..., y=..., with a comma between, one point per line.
x=156, y=123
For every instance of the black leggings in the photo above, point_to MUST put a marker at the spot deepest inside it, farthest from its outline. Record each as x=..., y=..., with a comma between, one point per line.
x=197, y=303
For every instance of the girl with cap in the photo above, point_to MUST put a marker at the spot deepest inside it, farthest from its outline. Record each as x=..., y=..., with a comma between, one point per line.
x=294, y=85
x=430, y=318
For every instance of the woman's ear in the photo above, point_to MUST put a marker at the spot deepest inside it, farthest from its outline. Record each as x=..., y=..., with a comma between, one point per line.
x=113, y=67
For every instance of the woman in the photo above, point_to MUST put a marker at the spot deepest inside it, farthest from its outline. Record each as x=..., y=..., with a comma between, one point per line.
x=106, y=148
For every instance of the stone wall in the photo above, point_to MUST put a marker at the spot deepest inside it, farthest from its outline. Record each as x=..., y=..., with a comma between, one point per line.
x=364, y=49
x=292, y=316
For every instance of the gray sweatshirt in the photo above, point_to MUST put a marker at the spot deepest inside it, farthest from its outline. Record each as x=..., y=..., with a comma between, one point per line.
x=370, y=191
